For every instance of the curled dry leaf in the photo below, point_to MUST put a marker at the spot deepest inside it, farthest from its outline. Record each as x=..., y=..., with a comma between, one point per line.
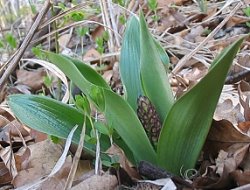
x=221, y=136
x=8, y=158
x=226, y=164
x=123, y=161
x=54, y=70
x=19, y=133
x=226, y=110
x=13, y=163
x=232, y=148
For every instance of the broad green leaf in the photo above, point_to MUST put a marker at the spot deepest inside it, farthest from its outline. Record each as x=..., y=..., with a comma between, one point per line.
x=86, y=81
x=188, y=122
x=51, y=117
x=154, y=78
x=117, y=111
x=71, y=71
x=124, y=120
x=90, y=74
x=130, y=62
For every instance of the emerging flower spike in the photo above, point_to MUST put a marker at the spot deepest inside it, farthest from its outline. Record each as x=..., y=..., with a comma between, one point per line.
x=149, y=118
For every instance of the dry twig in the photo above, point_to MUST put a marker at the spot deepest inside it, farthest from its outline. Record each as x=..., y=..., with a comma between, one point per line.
x=183, y=61
x=26, y=42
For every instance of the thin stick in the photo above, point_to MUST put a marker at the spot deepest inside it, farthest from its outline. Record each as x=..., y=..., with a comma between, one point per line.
x=98, y=150
x=184, y=60
x=77, y=157
x=114, y=26
x=106, y=21
x=25, y=44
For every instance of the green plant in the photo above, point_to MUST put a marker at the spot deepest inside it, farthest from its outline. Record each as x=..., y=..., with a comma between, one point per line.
x=11, y=40
x=202, y=5
x=100, y=42
x=247, y=13
x=32, y=7
x=153, y=4
x=1, y=44
x=185, y=121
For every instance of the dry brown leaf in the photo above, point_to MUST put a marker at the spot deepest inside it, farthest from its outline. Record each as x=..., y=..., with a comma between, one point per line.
x=197, y=71
x=91, y=54
x=226, y=110
x=232, y=159
x=97, y=182
x=58, y=180
x=168, y=20
x=244, y=127
x=64, y=39
x=240, y=177
x=123, y=161
x=58, y=175
x=19, y=133
x=20, y=88
x=38, y=136
x=244, y=92
x=107, y=75
x=32, y=79
x=43, y=157
x=5, y=176
x=6, y=115
x=97, y=32
x=22, y=158
x=236, y=20
x=3, y=121
x=194, y=33
x=84, y=167
x=8, y=158
x=226, y=163
x=243, y=61
x=163, y=3
x=221, y=136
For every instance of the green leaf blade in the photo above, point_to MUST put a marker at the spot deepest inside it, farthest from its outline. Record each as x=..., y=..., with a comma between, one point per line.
x=116, y=109
x=49, y=116
x=188, y=122
x=153, y=75
x=124, y=120
x=88, y=73
x=130, y=62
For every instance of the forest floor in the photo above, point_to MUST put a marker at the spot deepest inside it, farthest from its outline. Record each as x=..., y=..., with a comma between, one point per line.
x=193, y=33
